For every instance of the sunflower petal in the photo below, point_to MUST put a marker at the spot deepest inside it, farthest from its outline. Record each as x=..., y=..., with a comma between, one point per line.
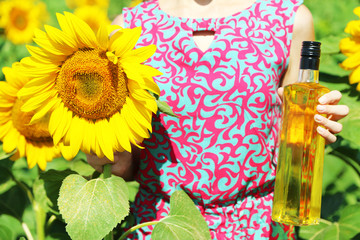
x=121, y=131
x=52, y=104
x=36, y=101
x=122, y=43
x=139, y=55
x=31, y=155
x=60, y=38
x=105, y=137
x=66, y=27
x=10, y=141
x=83, y=32
x=103, y=36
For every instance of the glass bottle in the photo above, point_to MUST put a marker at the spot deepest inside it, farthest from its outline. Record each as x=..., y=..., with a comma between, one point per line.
x=298, y=182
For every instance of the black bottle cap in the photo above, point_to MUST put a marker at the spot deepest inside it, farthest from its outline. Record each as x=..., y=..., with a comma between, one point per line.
x=310, y=55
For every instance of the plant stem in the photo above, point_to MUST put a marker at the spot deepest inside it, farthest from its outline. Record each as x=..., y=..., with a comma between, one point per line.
x=137, y=227
x=107, y=170
x=27, y=231
x=40, y=220
x=50, y=221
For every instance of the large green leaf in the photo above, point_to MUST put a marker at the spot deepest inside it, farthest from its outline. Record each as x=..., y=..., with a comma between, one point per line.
x=92, y=208
x=5, y=232
x=13, y=202
x=184, y=221
x=47, y=187
x=10, y=223
x=347, y=227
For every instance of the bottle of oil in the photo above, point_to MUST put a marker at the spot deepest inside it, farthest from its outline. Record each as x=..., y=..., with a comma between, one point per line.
x=298, y=182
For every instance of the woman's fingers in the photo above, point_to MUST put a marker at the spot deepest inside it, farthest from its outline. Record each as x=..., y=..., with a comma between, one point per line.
x=330, y=98
x=336, y=111
x=329, y=137
x=332, y=126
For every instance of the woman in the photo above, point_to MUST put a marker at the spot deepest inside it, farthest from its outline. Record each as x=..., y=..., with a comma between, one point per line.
x=223, y=65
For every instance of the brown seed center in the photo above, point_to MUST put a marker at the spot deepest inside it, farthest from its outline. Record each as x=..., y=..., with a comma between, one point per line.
x=90, y=85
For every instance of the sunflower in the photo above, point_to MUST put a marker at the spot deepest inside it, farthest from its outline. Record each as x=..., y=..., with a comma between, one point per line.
x=32, y=141
x=20, y=18
x=82, y=3
x=95, y=88
x=93, y=16
x=350, y=47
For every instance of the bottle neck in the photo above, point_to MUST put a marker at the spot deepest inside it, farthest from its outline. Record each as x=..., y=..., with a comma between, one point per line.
x=308, y=76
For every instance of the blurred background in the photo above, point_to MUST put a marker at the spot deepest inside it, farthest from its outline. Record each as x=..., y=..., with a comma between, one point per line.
x=341, y=183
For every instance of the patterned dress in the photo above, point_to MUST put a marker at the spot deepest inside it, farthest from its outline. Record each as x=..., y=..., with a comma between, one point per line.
x=222, y=148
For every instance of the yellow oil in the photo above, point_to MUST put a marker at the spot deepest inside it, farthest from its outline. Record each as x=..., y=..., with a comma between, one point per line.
x=298, y=184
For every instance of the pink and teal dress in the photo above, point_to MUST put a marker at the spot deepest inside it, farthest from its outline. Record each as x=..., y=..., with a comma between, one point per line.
x=222, y=149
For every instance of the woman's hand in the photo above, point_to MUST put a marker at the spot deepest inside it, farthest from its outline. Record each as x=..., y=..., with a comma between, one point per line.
x=328, y=105
x=125, y=164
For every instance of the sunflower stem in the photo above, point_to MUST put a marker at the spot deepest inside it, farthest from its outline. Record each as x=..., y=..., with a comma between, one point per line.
x=122, y=237
x=40, y=220
x=107, y=171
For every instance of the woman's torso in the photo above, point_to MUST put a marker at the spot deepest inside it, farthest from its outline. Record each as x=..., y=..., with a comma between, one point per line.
x=222, y=148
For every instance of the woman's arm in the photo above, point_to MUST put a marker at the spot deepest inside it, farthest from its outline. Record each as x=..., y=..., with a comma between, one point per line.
x=304, y=31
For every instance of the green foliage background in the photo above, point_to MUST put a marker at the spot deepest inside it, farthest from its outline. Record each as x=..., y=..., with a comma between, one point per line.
x=341, y=183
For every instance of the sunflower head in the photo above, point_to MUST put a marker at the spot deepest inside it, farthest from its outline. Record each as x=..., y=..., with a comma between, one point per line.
x=20, y=18
x=95, y=88
x=350, y=47
x=31, y=141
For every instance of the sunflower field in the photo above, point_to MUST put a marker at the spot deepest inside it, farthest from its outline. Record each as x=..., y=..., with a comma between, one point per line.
x=47, y=188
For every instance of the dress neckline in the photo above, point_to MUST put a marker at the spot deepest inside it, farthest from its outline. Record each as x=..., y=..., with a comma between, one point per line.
x=248, y=8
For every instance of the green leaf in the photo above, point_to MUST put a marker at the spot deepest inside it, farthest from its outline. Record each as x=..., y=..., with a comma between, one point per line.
x=184, y=221
x=133, y=187
x=51, y=183
x=5, y=232
x=346, y=228
x=6, y=181
x=92, y=208
x=13, y=225
x=165, y=108
x=14, y=202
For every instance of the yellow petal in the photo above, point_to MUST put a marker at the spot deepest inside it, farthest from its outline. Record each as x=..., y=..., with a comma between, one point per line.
x=355, y=76
x=132, y=121
x=121, y=131
x=67, y=27
x=111, y=57
x=139, y=55
x=44, y=55
x=105, y=137
x=52, y=104
x=60, y=37
x=125, y=42
x=103, y=36
x=36, y=101
x=55, y=119
x=83, y=32
x=5, y=129
x=31, y=155
x=351, y=62
x=10, y=141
